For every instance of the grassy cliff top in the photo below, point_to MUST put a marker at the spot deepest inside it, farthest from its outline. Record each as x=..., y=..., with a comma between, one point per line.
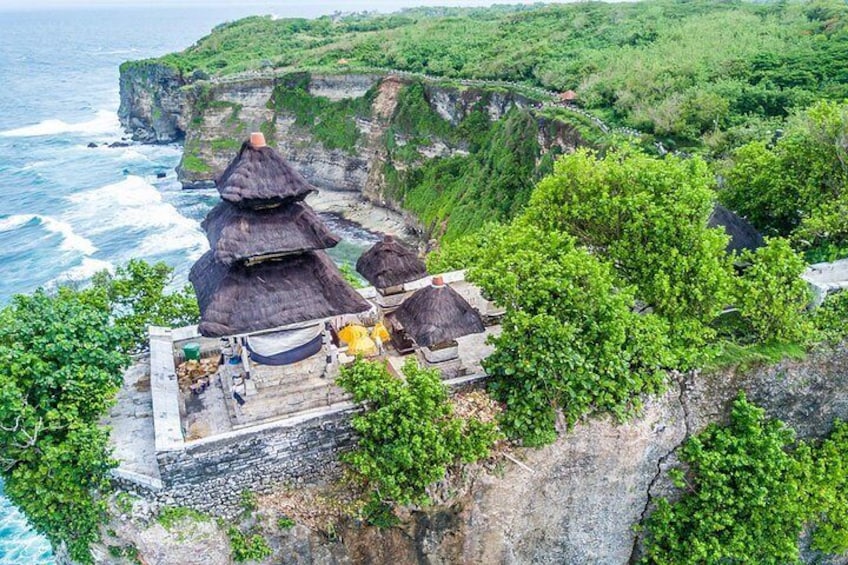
x=693, y=72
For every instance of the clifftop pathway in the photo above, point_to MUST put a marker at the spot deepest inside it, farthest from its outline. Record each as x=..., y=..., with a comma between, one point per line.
x=549, y=98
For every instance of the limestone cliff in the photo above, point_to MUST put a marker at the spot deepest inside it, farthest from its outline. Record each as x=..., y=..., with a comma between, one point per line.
x=347, y=132
x=153, y=103
x=573, y=502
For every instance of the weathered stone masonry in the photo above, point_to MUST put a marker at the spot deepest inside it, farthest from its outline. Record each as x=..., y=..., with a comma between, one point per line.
x=210, y=474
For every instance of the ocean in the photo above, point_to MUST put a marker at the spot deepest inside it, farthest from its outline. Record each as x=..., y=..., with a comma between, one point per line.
x=67, y=210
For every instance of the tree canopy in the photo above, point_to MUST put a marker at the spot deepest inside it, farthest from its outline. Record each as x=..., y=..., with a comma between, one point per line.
x=61, y=360
x=408, y=433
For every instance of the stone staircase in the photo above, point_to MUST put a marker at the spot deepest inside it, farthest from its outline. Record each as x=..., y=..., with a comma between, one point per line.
x=295, y=394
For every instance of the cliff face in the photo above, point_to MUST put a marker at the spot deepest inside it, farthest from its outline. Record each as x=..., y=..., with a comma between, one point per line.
x=153, y=102
x=573, y=502
x=346, y=132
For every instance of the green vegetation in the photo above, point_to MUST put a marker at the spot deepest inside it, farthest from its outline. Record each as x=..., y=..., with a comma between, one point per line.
x=249, y=501
x=749, y=490
x=351, y=276
x=570, y=341
x=610, y=277
x=332, y=123
x=285, y=523
x=771, y=296
x=456, y=195
x=173, y=516
x=247, y=546
x=649, y=217
x=194, y=164
x=829, y=318
x=694, y=73
x=62, y=356
x=796, y=186
x=137, y=294
x=408, y=434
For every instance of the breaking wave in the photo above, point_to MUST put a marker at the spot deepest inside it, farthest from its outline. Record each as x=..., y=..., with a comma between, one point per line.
x=106, y=121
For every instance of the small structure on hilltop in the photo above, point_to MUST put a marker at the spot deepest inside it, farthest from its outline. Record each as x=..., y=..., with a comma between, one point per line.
x=266, y=285
x=387, y=265
x=743, y=236
x=434, y=317
x=568, y=97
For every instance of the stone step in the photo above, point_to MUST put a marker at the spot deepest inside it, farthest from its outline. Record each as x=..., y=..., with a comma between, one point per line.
x=286, y=400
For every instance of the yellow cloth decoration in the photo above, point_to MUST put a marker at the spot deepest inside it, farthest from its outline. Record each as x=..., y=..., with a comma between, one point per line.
x=352, y=332
x=363, y=345
x=381, y=332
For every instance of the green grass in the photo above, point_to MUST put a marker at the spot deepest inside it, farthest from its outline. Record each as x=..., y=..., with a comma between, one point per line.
x=171, y=516
x=195, y=164
x=744, y=357
x=225, y=144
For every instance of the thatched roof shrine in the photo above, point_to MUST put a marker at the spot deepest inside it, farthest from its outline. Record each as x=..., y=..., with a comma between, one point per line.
x=297, y=288
x=259, y=176
x=742, y=234
x=437, y=314
x=389, y=263
x=237, y=234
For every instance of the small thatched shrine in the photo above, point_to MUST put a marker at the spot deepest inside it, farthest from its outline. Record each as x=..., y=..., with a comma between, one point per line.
x=266, y=270
x=568, y=97
x=742, y=234
x=387, y=265
x=434, y=317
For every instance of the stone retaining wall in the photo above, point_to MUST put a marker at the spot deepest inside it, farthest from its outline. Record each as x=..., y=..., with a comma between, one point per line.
x=209, y=475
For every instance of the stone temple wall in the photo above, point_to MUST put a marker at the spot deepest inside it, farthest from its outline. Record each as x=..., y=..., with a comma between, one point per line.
x=209, y=475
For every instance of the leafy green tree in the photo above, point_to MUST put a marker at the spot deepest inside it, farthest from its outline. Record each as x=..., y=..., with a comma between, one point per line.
x=137, y=294
x=771, y=295
x=749, y=492
x=61, y=362
x=408, y=434
x=830, y=318
x=570, y=340
x=744, y=499
x=797, y=186
x=649, y=217
x=828, y=484
x=60, y=367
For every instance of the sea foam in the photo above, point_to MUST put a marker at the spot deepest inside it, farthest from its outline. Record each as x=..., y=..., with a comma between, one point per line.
x=71, y=241
x=134, y=204
x=84, y=271
x=106, y=121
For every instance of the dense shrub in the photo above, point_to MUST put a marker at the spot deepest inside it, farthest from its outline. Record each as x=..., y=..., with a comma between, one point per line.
x=408, y=434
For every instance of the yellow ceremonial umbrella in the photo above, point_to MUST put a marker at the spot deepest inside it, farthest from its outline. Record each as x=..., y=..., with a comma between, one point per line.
x=380, y=332
x=362, y=345
x=352, y=332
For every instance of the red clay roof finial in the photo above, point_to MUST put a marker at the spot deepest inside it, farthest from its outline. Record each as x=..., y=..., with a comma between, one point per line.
x=438, y=281
x=257, y=139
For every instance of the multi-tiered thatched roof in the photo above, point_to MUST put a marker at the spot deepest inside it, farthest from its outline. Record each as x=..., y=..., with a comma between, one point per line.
x=437, y=314
x=266, y=268
x=390, y=263
x=259, y=176
x=241, y=234
x=239, y=299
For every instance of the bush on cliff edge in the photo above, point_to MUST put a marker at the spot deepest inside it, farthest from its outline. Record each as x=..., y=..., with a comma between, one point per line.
x=61, y=357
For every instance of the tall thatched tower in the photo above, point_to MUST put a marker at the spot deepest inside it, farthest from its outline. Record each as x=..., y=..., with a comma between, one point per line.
x=266, y=268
